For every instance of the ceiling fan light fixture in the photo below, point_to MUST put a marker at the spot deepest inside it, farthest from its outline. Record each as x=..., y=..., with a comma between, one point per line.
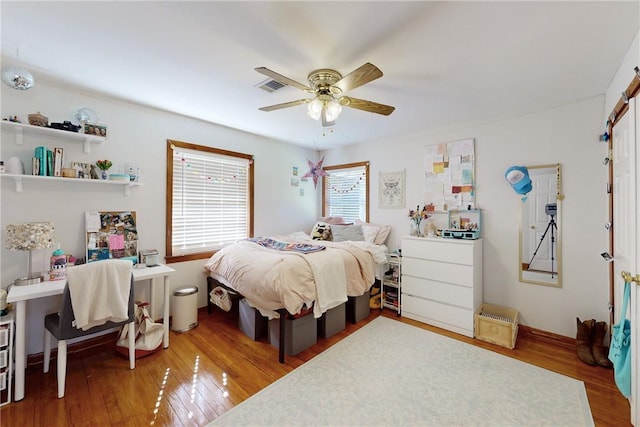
x=17, y=77
x=333, y=109
x=314, y=109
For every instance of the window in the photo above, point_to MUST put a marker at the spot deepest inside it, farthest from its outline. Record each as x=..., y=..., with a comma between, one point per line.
x=209, y=200
x=345, y=191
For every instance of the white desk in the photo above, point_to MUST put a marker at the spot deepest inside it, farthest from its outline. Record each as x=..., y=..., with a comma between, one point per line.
x=19, y=295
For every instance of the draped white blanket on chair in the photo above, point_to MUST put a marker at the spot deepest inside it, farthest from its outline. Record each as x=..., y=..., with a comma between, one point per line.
x=99, y=292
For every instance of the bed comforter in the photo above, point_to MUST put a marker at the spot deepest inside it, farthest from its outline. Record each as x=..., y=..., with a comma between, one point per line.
x=273, y=279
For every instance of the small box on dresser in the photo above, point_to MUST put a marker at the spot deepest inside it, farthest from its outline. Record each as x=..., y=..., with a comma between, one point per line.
x=497, y=325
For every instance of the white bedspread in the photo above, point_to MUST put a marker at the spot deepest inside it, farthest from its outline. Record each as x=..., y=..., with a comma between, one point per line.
x=272, y=279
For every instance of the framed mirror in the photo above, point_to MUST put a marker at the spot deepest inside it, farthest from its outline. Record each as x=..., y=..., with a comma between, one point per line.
x=540, y=260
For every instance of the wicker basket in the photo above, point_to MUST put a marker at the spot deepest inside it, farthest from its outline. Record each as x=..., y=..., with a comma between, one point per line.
x=38, y=120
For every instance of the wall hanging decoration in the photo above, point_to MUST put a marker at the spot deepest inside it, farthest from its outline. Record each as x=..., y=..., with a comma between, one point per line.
x=315, y=171
x=392, y=189
x=449, y=175
x=111, y=235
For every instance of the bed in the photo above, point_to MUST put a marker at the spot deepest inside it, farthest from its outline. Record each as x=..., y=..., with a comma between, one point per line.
x=288, y=274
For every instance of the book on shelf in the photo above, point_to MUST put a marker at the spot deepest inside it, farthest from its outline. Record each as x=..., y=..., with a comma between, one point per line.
x=35, y=166
x=41, y=154
x=49, y=163
x=57, y=161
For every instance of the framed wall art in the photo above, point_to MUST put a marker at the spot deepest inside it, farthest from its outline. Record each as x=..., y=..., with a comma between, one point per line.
x=392, y=189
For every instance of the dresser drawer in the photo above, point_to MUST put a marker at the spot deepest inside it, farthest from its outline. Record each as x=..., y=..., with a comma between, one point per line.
x=461, y=296
x=439, y=271
x=457, y=251
x=441, y=315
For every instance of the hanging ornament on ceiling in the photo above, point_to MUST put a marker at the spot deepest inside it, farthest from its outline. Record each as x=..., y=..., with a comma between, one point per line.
x=17, y=77
x=315, y=171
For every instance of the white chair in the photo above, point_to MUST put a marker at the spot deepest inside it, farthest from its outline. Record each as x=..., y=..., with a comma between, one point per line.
x=60, y=326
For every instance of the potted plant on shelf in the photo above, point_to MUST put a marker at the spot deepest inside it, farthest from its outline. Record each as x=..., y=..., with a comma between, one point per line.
x=104, y=166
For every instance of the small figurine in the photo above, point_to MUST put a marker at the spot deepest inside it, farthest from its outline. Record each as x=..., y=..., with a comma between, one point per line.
x=94, y=173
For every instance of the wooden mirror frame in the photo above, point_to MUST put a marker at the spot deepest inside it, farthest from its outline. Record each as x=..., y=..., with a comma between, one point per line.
x=540, y=255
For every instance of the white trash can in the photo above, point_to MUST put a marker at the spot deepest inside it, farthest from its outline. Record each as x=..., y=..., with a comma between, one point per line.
x=184, y=303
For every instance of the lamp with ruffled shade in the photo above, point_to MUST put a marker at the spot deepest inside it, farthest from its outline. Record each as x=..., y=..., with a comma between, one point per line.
x=27, y=237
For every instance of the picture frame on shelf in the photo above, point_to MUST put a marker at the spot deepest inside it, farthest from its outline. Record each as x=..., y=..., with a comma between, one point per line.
x=96, y=129
x=83, y=170
x=454, y=222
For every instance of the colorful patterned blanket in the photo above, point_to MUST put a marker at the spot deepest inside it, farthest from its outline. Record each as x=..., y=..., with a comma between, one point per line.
x=270, y=243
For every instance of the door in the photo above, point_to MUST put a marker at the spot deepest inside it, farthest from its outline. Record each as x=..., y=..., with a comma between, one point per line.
x=625, y=229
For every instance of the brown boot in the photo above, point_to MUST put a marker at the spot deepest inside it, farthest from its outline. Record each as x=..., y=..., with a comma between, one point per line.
x=584, y=338
x=599, y=351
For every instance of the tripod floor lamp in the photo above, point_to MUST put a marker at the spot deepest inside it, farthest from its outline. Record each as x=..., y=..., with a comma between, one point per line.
x=27, y=237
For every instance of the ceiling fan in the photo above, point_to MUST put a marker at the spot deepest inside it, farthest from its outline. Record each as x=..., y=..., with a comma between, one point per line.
x=328, y=86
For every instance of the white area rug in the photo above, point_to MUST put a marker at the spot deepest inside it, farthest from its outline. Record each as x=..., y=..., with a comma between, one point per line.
x=392, y=374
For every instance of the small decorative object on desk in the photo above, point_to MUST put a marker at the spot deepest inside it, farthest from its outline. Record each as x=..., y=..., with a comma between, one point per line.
x=58, y=266
x=104, y=166
x=416, y=217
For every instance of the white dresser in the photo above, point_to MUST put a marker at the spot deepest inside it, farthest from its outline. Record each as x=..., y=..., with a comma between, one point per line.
x=442, y=281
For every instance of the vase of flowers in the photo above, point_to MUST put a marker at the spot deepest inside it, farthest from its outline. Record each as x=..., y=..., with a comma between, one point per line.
x=416, y=217
x=104, y=166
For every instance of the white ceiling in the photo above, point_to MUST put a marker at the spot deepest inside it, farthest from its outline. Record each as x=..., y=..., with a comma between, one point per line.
x=444, y=63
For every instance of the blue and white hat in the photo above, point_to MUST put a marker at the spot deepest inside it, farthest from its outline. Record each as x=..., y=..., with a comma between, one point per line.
x=518, y=177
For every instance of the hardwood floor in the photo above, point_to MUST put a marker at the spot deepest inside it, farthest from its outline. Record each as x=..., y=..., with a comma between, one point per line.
x=210, y=369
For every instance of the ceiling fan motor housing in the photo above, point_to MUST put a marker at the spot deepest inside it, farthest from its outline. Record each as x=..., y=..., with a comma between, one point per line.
x=323, y=81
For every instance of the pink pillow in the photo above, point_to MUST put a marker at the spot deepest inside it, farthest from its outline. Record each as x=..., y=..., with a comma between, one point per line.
x=337, y=220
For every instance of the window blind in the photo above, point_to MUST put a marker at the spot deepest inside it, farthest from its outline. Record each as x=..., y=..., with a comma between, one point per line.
x=346, y=194
x=210, y=201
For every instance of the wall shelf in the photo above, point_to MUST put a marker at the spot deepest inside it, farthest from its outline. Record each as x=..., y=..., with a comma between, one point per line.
x=20, y=128
x=20, y=178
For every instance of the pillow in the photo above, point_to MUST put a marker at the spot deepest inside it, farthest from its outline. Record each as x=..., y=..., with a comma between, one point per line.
x=342, y=233
x=370, y=232
x=321, y=231
x=381, y=234
x=333, y=220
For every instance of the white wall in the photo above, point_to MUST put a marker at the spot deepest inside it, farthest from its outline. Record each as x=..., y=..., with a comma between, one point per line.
x=136, y=134
x=622, y=78
x=566, y=135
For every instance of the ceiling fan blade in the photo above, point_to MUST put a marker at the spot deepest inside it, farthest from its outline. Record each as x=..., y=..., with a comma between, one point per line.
x=282, y=79
x=285, y=105
x=362, y=75
x=370, y=106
